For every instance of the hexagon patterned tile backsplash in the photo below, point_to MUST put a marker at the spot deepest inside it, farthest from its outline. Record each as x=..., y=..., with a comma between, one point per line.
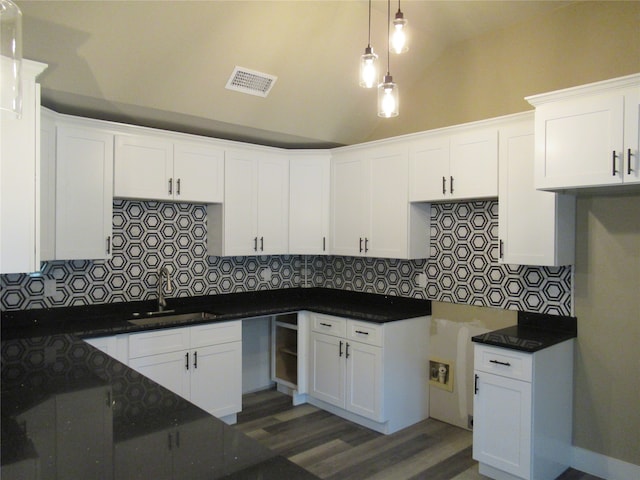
x=462, y=267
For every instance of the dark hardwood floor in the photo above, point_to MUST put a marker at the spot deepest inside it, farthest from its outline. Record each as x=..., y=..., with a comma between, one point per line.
x=336, y=449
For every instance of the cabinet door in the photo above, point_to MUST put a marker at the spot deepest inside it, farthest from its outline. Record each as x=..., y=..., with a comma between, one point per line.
x=327, y=369
x=198, y=173
x=240, y=205
x=474, y=165
x=388, y=204
x=84, y=194
x=216, y=378
x=273, y=205
x=429, y=169
x=309, y=201
x=535, y=227
x=171, y=370
x=579, y=142
x=631, y=153
x=502, y=424
x=364, y=380
x=143, y=168
x=348, y=183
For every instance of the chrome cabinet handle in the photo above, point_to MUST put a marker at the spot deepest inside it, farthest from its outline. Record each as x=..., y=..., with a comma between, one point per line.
x=501, y=249
x=451, y=185
x=340, y=351
x=444, y=185
x=170, y=186
x=475, y=385
x=109, y=245
x=255, y=244
x=262, y=244
x=361, y=332
x=629, y=155
x=366, y=245
x=325, y=324
x=186, y=363
x=178, y=187
x=324, y=244
x=614, y=171
x=360, y=244
x=346, y=353
x=195, y=359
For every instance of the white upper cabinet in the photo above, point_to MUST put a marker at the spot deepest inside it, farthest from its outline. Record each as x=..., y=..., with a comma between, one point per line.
x=588, y=136
x=454, y=165
x=198, y=172
x=309, y=203
x=535, y=227
x=254, y=217
x=19, y=179
x=370, y=210
x=84, y=193
x=160, y=168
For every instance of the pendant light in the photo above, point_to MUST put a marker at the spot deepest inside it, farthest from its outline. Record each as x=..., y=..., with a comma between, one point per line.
x=387, y=90
x=368, y=62
x=399, y=35
x=10, y=57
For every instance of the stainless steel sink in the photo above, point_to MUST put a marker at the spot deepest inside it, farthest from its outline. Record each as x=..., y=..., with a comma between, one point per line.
x=169, y=317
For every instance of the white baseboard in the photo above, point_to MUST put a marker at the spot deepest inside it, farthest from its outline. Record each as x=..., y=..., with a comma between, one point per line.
x=602, y=466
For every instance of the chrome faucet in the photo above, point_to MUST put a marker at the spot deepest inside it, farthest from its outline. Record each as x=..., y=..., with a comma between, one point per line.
x=164, y=272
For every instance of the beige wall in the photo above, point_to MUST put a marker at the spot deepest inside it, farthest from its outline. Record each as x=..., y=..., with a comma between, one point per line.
x=607, y=304
x=489, y=76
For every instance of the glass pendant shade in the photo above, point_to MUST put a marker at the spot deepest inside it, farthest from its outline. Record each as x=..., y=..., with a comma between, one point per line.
x=388, y=100
x=368, y=68
x=10, y=57
x=399, y=42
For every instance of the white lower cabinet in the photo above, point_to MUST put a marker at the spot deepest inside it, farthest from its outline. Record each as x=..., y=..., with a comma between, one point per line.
x=512, y=389
x=203, y=364
x=373, y=374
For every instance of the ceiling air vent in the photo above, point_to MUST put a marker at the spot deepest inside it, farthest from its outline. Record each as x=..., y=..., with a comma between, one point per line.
x=251, y=82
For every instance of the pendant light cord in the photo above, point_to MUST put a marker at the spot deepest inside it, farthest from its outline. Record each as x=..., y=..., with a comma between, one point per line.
x=369, y=24
x=388, y=32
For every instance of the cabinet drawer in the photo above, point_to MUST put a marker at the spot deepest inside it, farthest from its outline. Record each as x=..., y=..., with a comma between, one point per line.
x=365, y=332
x=216, y=333
x=330, y=325
x=504, y=362
x=158, y=341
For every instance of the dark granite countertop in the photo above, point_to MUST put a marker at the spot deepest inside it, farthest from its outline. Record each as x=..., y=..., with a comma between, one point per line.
x=71, y=411
x=533, y=332
x=110, y=319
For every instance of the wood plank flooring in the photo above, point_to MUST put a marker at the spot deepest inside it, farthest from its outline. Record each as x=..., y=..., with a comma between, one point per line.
x=336, y=449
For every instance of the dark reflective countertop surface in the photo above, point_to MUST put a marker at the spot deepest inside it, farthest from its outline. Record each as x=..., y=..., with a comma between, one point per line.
x=534, y=331
x=70, y=411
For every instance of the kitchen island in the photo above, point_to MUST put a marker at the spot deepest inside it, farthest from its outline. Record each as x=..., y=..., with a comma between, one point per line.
x=71, y=411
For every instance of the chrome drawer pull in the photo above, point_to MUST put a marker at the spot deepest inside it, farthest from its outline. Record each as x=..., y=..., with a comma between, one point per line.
x=506, y=364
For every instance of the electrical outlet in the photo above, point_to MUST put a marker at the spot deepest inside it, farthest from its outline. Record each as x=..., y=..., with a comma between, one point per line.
x=421, y=280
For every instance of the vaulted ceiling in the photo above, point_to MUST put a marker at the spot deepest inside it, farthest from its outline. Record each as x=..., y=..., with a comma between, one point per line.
x=166, y=63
